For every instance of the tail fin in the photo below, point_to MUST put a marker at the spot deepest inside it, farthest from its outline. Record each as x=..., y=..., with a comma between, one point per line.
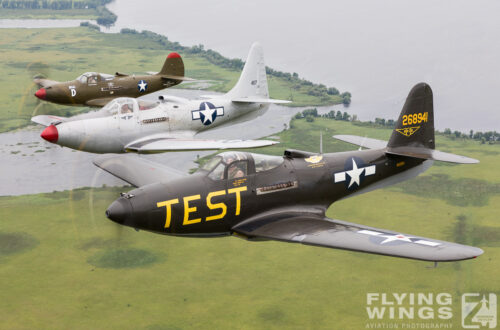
x=173, y=67
x=415, y=126
x=414, y=132
x=253, y=79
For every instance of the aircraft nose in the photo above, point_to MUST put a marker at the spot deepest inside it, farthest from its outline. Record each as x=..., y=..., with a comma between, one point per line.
x=50, y=134
x=41, y=93
x=119, y=210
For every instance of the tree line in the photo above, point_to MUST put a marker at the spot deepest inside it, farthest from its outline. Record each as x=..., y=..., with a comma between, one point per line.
x=105, y=17
x=491, y=137
x=318, y=90
x=310, y=114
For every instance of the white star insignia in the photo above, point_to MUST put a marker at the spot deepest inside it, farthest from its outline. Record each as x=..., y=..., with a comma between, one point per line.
x=142, y=86
x=207, y=114
x=398, y=237
x=354, y=173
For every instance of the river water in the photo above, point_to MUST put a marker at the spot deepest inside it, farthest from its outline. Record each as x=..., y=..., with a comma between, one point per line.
x=375, y=49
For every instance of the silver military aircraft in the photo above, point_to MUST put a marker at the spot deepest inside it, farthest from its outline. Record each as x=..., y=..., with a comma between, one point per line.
x=170, y=124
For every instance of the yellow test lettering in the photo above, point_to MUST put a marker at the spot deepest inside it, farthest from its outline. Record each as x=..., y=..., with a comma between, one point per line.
x=168, y=206
x=237, y=191
x=188, y=210
x=216, y=206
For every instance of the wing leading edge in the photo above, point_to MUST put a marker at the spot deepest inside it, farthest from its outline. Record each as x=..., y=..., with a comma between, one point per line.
x=324, y=232
x=136, y=170
x=173, y=144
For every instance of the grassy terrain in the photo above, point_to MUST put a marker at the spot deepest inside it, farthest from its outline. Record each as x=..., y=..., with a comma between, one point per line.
x=48, y=14
x=64, y=265
x=63, y=54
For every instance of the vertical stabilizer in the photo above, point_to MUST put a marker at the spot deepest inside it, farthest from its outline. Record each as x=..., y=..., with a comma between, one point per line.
x=173, y=66
x=253, y=80
x=415, y=126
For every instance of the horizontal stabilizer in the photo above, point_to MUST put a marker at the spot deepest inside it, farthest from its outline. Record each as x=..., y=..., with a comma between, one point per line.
x=425, y=153
x=182, y=78
x=362, y=141
x=47, y=120
x=165, y=144
x=324, y=232
x=136, y=170
x=258, y=100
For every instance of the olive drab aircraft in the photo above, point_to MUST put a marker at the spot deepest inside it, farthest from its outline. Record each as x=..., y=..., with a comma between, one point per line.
x=261, y=197
x=170, y=124
x=97, y=89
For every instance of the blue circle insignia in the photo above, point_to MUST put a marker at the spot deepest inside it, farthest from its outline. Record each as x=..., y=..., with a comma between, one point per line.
x=208, y=113
x=142, y=86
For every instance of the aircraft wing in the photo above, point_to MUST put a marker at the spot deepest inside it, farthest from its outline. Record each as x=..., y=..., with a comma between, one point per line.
x=188, y=144
x=258, y=100
x=136, y=170
x=362, y=141
x=47, y=120
x=170, y=77
x=44, y=82
x=315, y=230
x=99, y=102
x=406, y=151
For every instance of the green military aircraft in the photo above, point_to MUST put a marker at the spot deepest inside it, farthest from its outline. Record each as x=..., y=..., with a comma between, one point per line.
x=97, y=89
x=261, y=197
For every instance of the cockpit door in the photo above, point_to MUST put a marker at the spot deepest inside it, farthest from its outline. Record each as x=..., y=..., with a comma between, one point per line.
x=240, y=186
x=128, y=114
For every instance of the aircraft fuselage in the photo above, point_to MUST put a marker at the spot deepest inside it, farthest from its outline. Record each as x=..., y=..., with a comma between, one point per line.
x=112, y=134
x=201, y=206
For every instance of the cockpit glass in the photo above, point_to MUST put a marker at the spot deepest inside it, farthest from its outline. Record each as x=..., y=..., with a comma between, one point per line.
x=210, y=165
x=146, y=105
x=93, y=79
x=232, y=156
x=125, y=104
x=82, y=79
x=265, y=162
x=112, y=108
x=218, y=164
x=218, y=172
x=127, y=108
x=237, y=169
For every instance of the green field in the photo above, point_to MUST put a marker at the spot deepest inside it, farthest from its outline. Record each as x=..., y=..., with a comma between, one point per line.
x=63, y=54
x=64, y=265
x=48, y=14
